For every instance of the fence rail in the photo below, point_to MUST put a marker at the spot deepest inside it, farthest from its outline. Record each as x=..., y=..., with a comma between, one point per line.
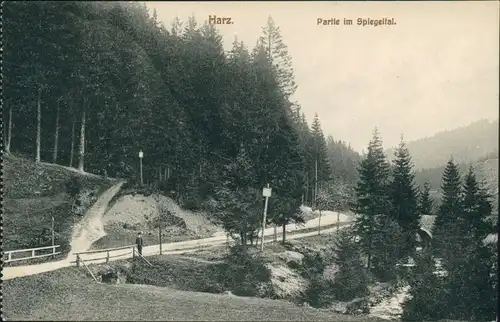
x=33, y=251
x=107, y=251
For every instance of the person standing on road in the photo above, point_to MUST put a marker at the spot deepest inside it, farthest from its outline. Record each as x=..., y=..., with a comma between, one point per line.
x=139, y=242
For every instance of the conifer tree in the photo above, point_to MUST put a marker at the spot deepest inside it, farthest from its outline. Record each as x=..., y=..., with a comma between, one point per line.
x=425, y=201
x=320, y=161
x=372, y=195
x=351, y=280
x=476, y=207
x=278, y=54
x=446, y=231
x=471, y=269
x=404, y=198
x=427, y=300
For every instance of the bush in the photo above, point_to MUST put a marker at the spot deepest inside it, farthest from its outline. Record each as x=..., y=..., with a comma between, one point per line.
x=313, y=265
x=319, y=293
x=73, y=186
x=244, y=272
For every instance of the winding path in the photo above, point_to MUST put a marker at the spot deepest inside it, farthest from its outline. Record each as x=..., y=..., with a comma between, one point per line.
x=91, y=229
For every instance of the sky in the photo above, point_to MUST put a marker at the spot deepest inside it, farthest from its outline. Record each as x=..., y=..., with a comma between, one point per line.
x=436, y=69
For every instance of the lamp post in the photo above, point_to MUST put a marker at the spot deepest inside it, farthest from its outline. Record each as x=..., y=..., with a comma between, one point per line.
x=141, y=155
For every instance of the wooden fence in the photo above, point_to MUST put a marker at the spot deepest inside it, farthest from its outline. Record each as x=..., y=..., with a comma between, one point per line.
x=8, y=254
x=124, y=251
x=109, y=253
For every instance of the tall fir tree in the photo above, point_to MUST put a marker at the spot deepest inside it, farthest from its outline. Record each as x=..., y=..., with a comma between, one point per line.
x=278, y=54
x=446, y=231
x=428, y=295
x=351, y=280
x=470, y=277
x=372, y=196
x=425, y=201
x=319, y=165
x=404, y=198
x=476, y=207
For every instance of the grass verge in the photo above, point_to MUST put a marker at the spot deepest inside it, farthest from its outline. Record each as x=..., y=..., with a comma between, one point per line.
x=68, y=294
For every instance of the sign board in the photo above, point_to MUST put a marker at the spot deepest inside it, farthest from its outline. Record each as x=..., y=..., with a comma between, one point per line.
x=266, y=192
x=141, y=154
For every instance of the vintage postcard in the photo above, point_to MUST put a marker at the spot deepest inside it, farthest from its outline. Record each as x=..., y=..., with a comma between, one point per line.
x=251, y=161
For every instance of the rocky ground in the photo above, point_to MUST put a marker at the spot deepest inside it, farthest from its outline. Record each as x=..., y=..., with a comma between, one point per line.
x=133, y=213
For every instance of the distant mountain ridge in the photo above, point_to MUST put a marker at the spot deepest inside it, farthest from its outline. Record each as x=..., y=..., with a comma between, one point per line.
x=465, y=144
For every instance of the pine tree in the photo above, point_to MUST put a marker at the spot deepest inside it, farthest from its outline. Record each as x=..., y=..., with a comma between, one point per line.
x=476, y=207
x=279, y=57
x=351, y=279
x=320, y=166
x=427, y=300
x=238, y=202
x=425, y=201
x=470, y=278
x=404, y=198
x=372, y=196
x=446, y=230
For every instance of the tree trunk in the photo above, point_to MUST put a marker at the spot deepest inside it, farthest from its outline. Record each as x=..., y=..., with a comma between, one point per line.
x=316, y=184
x=72, y=148
x=39, y=124
x=9, y=132
x=82, y=141
x=284, y=234
x=370, y=240
x=199, y=162
x=56, y=135
x=307, y=190
x=243, y=239
x=319, y=223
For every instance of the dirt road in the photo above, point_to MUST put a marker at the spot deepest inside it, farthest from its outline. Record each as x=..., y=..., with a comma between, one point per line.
x=91, y=229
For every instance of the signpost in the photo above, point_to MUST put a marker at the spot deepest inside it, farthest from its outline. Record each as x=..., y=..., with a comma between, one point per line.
x=266, y=192
x=141, y=155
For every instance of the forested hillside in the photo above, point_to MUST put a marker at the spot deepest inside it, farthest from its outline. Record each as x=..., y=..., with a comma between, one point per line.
x=90, y=84
x=465, y=144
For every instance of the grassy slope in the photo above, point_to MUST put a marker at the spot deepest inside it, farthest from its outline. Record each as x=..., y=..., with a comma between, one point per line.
x=33, y=194
x=68, y=294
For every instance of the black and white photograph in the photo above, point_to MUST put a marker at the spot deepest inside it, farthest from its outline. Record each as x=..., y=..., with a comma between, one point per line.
x=250, y=160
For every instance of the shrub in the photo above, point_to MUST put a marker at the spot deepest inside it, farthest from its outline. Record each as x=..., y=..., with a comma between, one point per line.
x=319, y=292
x=313, y=265
x=73, y=186
x=244, y=271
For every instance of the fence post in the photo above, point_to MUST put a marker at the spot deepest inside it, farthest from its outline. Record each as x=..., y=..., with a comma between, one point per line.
x=33, y=253
x=10, y=257
x=107, y=257
x=77, y=260
x=133, y=252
